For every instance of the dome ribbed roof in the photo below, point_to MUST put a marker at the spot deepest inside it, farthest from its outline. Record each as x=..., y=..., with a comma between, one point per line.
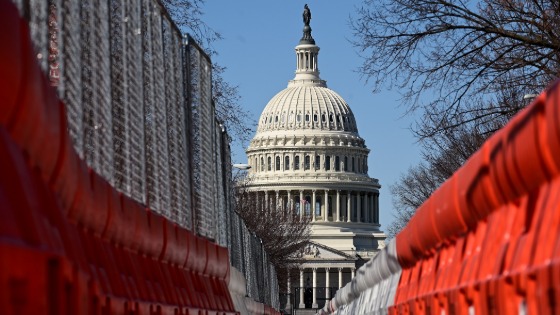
x=307, y=107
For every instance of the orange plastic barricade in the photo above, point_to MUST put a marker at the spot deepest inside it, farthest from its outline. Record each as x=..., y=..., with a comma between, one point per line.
x=487, y=241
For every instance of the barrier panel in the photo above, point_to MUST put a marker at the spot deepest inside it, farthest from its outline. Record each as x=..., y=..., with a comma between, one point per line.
x=486, y=242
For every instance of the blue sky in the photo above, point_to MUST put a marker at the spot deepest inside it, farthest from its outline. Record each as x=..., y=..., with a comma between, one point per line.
x=258, y=51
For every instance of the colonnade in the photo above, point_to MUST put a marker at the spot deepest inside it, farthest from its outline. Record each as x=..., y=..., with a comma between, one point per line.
x=340, y=205
x=327, y=284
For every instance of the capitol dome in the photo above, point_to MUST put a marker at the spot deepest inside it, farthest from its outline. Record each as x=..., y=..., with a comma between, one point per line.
x=307, y=107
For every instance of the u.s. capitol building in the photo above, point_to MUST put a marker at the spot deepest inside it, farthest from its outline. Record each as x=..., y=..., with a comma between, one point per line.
x=308, y=157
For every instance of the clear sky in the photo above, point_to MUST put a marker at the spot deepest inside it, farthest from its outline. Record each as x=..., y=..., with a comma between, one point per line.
x=258, y=51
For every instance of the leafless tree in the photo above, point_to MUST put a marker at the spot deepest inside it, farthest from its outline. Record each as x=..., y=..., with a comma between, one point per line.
x=188, y=15
x=447, y=151
x=449, y=57
x=283, y=232
x=463, y=67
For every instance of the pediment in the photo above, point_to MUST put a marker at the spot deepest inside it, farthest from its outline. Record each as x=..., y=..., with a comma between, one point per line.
x=316, y=251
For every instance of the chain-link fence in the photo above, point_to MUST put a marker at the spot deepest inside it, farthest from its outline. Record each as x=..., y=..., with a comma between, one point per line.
x=139, y=107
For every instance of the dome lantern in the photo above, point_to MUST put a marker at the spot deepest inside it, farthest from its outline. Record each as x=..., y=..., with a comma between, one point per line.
x=307, y=53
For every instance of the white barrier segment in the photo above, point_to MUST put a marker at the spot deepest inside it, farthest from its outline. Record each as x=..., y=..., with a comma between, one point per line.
x=373, y=289
x=254, y=307
x=238, y=290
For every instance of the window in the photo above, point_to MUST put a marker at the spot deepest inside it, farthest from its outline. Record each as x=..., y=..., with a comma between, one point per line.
x=296, y=163
x=262, y=164
x=306, y=117
x=317, y=162
x=359, y=165
x=269, y=163
x=317, y=206
x=298, y=117
x=276, y=118
x=287, y=163
x=337, y=163
x=277, y=163
x=307, y=162
x=353, y=166
x=327, y=163
x=346, y=164
x=315, y=118
x=331, y=118
x=307, y=205
x=323, y=118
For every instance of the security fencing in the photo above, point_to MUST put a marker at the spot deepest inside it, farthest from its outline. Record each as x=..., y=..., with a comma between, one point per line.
x=138, y=97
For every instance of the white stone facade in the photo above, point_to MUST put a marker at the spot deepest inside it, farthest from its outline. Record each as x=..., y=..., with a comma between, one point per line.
x=308, y=157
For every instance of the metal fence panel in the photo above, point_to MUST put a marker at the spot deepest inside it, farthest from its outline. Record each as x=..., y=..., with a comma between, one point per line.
x=140, y=112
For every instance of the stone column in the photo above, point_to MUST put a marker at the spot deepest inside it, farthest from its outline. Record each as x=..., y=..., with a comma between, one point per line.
x=288, y=302
x=276, y=201
x=325, y=211
x=327, y=285
x=376, y=207
x=301, y=289
x=338, y=206
x=353, y=272
x=289, y=201
x=339, y=278
x=359, y=207
x=266, y=203
x=349, y=207
x=314, y=202
x=368, y=207
x=314, y=288
x=371, y=208
x=301, y=207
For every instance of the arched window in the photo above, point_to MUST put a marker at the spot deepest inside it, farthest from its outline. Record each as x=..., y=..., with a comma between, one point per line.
x=315, y=117
x=269, y=163
x=287, y=163
x=307, y=162
x=306, y=117
x=331, y=117
x=307, y=205
x=353, y=165
x=262, y=164
x=327, y=163
x=296, y=162
x=317, y=162
x=336, y=163
x=277, y=163
x=346, y=164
